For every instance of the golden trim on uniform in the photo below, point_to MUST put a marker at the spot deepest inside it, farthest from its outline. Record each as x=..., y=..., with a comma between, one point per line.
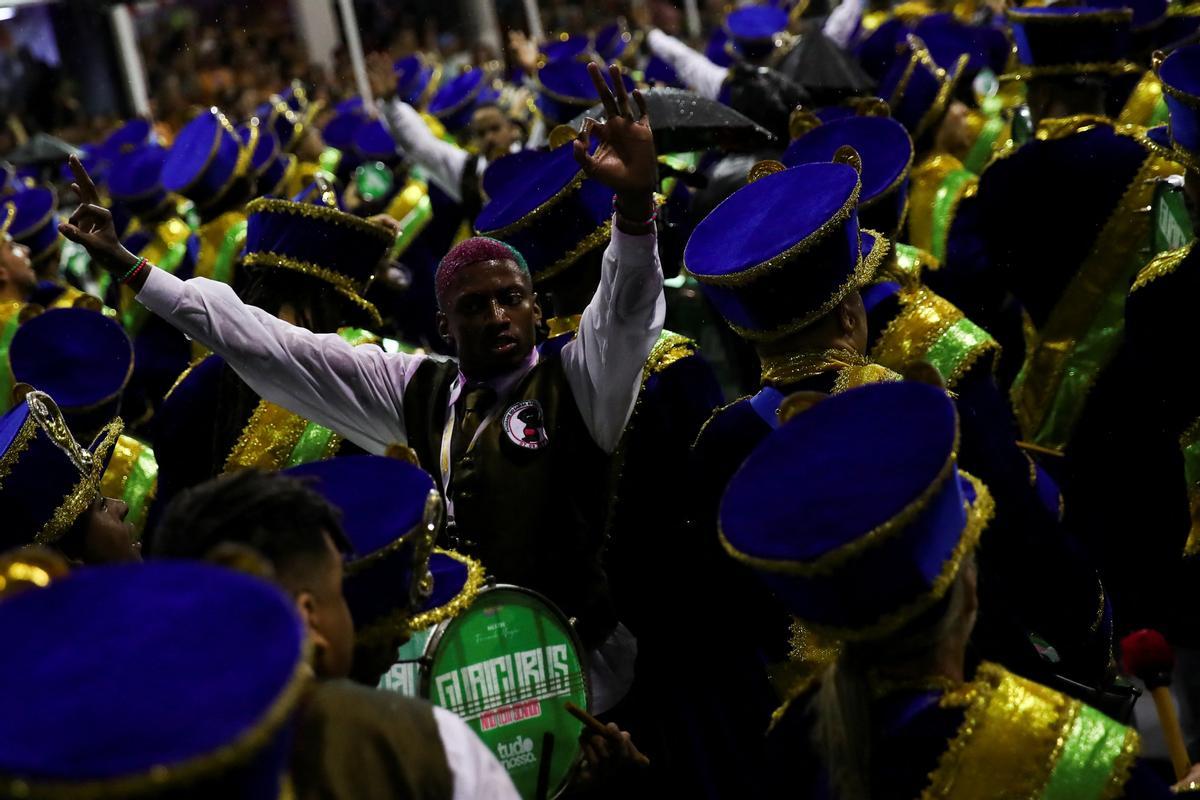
x=340, y=283
x=923, y=319
x=1064, y=70
x=755, y=271
x=1161, y=265
x=269, y=438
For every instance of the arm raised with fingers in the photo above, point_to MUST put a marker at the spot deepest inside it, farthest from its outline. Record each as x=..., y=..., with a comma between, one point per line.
x=625, y=160
x=92, y=227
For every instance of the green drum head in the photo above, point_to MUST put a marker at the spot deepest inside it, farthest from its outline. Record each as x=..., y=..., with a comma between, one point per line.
x=507, y=666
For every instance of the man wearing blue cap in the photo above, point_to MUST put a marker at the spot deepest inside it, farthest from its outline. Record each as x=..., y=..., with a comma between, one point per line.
x=523, y=473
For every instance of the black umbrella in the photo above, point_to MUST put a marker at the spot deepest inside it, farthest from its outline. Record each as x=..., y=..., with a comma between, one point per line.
x=684, y=122
x=43, y=149
x=826, y=71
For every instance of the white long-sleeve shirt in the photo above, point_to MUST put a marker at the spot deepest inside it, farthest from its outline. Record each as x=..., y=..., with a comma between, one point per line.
x=701, y=75
x=843, y=22
x=475, y=770
x=443, y=161
x=359, y=391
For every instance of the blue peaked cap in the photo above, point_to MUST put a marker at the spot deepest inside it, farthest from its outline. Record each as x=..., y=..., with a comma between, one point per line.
x=1071, y=40
x=565, y=91
x=415, y=79
x=547, y=210
x=188, y=672
x=854, y=512
x=455, y=102
x=136, y=179
x=205, y=160
x=35, y=224
x=383, y=505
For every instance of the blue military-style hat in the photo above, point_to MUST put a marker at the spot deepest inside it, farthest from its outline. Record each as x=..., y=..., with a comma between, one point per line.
x=783, y=251
x=164, y=679
x=270, y=165
x=282, y=120
x=79, y=357
x=886, y=151
x=456, y=101
x=340, y=129
x=133, y=135
x=1065, y=41
x=754, y=30
x=391, y=513
x=918, y=90
x=878, y=50
x=1147, y=14
x=205, y=160
x=373, y=142
x=566, y=47
x=549, y=211
x=47, y=478
x=657, y=71
x=416, y=79
x=36, y=222
x=565, y=90
x=136, y=180
x=612, y=41
x=316, y=239
x=855, y=513
x=1180, y=76
x=718, y=46
x=947, y=39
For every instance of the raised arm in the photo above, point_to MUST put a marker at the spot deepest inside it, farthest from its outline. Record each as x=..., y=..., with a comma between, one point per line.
x=443, y=161
x=604, y=362
x=701, y=75
x=356, y=391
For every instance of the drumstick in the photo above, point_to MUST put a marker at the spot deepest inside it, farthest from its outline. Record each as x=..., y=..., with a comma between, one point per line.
x=600, y=729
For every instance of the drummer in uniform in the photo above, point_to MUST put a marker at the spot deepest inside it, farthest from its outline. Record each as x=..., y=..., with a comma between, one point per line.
x=534, y=519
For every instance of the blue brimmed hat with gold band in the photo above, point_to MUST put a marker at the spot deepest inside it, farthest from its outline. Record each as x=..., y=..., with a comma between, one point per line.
x=1180, y=76
x=133, y=135
x=278, y=117
x=396, y=581
x=769, y=279
x=886, y=151
x=754, y=31
x=79, y=357
x=205, y=160
x=612, y=41
x=456, y=101
x=416, y=79
x=565, y=90
x=47, y=479
x=549, y=211
x=658, y=71
x=917, y=90
x=213, y=664
x=373, y=142
x=855, y=513
x=947, y=38
x=1068, y=41
x=320, y=241
x=36, y=222
x=566, y=47
x=136, y=180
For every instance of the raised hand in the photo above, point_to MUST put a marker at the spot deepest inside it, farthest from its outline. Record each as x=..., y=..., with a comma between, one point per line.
x=92, y=225
x=381, y=76
x=625, y=161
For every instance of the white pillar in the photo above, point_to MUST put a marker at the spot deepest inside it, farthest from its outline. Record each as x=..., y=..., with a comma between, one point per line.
x=484, y=25
x=354, y=45
x=131, y=60
x=318, y=29
x=691, y=10
x=533, y=18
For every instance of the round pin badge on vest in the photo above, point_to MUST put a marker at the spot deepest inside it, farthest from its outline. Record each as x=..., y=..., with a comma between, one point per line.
x=525, y=425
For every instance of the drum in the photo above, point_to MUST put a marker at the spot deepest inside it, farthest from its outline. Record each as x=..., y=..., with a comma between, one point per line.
x=506, y=665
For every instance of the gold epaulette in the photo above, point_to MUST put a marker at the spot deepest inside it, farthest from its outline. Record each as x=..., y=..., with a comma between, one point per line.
x=269, y=440
x=1161, y=265
x=1142, y=102
x=671, y=347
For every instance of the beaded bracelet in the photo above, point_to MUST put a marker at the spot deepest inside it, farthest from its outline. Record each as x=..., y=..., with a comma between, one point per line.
x=134, y=271
x=635, y=223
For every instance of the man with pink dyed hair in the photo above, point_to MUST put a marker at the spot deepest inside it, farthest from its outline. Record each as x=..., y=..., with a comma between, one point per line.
x=519, y=443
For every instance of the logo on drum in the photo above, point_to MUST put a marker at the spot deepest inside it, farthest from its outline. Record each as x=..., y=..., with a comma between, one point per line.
x=517, y=753
x=525, y=425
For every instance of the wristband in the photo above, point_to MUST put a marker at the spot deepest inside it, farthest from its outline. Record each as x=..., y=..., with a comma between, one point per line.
x=134, y=271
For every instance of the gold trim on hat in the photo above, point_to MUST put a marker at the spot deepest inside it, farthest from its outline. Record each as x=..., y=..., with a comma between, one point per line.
x=340, y=283
x=274, y=205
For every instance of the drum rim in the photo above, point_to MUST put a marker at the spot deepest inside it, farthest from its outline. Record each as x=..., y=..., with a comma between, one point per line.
x=435, y=638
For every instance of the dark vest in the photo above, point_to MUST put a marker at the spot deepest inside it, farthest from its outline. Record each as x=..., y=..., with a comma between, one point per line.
x=533, y=515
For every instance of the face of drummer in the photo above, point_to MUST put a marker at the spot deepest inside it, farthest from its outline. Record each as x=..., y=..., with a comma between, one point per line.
x=316, y=583
x=494, y=133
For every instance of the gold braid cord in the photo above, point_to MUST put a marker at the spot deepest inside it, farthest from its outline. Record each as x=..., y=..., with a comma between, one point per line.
x=269, y=438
